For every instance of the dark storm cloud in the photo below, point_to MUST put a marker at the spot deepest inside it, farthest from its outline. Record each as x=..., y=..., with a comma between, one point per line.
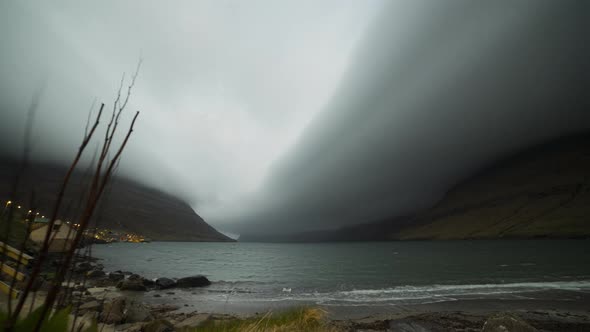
x=436, y=90
x=278, y=116
x=225, y=87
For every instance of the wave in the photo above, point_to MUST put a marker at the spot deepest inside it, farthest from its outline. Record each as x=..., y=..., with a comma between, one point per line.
x=235, y=292
x=564, y=285
x=436, y=293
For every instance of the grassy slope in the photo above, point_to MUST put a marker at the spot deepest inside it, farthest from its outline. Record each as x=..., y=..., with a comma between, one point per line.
x=544, y=192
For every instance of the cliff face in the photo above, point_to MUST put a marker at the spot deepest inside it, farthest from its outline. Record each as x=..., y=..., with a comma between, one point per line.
x=127, y=206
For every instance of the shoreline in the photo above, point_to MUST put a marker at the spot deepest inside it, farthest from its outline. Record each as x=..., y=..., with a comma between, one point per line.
x=547, y=310
x=552, y=310
x=95, y=292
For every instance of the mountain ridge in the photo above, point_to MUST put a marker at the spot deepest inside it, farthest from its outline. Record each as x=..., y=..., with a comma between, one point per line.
x=539, y=192
x=126, y=205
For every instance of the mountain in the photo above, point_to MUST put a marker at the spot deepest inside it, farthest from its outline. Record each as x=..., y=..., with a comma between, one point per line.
x=127, y=206
x=541, y=192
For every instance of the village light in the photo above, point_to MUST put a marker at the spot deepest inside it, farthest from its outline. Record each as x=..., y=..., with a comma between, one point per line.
x=9, y=202
x=18, y=207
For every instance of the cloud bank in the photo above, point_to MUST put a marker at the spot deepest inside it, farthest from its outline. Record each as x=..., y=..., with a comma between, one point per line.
x=283, y=116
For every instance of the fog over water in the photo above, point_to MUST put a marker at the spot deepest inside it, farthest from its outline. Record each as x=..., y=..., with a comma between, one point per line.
x=280, y=116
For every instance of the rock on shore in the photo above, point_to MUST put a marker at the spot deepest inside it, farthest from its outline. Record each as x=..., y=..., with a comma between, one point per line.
x=194, y=281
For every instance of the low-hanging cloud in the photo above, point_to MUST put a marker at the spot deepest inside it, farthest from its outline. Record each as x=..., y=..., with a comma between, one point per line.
x=434, y=92
x=282, y=116
x=224, y=88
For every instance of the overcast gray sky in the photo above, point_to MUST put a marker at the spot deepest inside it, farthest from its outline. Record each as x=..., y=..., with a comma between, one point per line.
x=293, y=115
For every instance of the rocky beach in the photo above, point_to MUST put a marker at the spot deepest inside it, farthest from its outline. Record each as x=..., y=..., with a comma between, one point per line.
x=124, y=301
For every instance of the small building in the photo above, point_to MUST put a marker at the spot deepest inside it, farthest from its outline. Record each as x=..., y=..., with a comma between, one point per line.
x=62, y=236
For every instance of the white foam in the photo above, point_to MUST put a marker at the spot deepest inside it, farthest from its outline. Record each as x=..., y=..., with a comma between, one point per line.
x=435, y=293
x=565, y=285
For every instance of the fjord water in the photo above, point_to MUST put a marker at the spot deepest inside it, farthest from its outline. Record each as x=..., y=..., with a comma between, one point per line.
x=360, y=273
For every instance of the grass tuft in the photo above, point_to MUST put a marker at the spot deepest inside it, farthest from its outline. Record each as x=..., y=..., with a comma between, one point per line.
x=301, y=319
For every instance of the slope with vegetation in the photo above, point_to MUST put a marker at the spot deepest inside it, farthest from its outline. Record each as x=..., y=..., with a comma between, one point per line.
x=126, y=207
x=541, y=192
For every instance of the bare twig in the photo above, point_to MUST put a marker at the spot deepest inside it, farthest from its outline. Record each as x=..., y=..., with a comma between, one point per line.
x=45, y=246
x=86, y=216
x=27, y=147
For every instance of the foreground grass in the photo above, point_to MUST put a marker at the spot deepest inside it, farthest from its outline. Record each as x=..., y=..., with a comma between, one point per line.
x=302, y=319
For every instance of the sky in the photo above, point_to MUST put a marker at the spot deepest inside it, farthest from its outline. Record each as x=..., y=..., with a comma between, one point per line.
x=283, y=116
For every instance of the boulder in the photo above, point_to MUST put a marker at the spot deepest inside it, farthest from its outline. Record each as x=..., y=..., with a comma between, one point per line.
x=193, y=321
x=163, y=283
x=86, y=319
x=95, y=274
x=129, y=327
x=96, y=290
x=101, y=282
x=92, y=305
x=160, y=325
x=131, y=285
x=116, y=276
x=194, y=281
x=507, y=323
x=137, y=312
x=164, y=308
x=148, y=283
x=83, y=267
x=113, y=311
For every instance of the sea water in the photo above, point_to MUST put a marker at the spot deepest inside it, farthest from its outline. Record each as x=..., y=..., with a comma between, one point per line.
x=359, y=273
